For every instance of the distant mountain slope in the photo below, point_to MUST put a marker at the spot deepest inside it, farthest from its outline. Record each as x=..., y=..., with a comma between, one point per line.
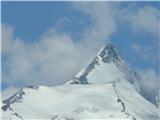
x=117, y=100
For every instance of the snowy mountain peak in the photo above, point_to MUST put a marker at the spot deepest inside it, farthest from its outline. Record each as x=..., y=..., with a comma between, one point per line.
x=108, y=53
x=107, y=66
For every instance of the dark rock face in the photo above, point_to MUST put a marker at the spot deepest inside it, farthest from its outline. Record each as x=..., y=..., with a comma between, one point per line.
x=16, y=98
x=109, y=53
x=33, y=87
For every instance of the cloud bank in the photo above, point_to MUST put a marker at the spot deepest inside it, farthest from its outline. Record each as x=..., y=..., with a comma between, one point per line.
x=150, y=85
x=145, y=19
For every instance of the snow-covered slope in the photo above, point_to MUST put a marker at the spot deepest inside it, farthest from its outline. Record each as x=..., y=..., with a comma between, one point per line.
x=117, y=100
x=105, y=89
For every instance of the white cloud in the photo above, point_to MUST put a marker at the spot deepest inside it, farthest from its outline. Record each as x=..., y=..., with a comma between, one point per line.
x=150, y=80
x=145, y=19
x=7, y=35
x=149, y=85
x=144, y=52
x=63, y=23
x=104, y=23
x=52, y=60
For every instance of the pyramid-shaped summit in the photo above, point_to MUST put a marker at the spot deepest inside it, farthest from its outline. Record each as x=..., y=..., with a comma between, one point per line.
x=107, y=66
x=109, y=53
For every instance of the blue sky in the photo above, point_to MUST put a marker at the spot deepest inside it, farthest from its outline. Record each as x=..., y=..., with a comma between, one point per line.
x=32, y=22
x=30, y=19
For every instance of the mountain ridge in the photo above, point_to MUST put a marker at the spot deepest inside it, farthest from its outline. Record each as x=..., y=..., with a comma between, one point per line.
x=107, y=54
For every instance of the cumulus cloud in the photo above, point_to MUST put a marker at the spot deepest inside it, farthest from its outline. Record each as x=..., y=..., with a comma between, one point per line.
x=63, y=23
x=142, y=20
x=149, y=80
x=51, y=60
x=144, y=52
x=145, y=19
x=7, y=35
x=150, y=84
x=104, y=23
